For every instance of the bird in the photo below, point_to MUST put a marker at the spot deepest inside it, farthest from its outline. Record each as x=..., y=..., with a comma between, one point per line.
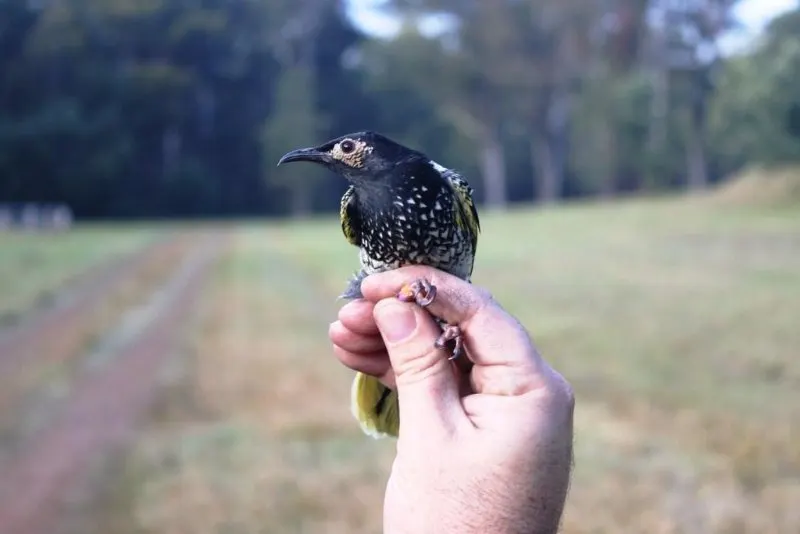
x=401, y=208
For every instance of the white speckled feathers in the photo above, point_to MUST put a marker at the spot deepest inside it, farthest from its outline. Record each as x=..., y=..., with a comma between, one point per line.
x=427, y=217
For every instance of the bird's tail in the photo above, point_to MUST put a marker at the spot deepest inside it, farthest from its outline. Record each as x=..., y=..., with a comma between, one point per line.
x=375, y=407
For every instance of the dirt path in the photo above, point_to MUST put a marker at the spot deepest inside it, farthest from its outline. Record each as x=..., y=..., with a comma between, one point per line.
x=19, y=341
x=104, y=408
x=41, y=367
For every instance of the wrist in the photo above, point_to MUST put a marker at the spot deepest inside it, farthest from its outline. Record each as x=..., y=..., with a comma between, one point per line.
x=476, y=507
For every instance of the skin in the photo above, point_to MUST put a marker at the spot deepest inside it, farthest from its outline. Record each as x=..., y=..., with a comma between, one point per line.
x=485, y=442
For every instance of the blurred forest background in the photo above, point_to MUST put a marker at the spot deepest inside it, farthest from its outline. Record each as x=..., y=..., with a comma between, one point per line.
x=154, y=108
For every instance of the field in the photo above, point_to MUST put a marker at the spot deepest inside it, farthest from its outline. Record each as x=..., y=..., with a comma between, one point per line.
x=202, y=374
x=33, y=267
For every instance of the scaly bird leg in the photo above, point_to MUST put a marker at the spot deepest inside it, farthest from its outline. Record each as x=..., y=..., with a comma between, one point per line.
x=423, y=293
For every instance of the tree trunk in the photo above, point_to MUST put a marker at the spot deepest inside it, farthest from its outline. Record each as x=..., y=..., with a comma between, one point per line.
x=657, y=128
x=608, y=181
x=696, y=169
x=548, y=147
x=493, y=169
x=548, y=177
x=659, y=109
x=659, y=104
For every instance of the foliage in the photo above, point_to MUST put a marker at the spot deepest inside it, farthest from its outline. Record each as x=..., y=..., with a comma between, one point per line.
x=757, y=117
x=174, y=108
x=293, y=123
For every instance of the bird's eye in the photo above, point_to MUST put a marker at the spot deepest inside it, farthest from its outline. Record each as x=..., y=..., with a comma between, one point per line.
x=347, y=146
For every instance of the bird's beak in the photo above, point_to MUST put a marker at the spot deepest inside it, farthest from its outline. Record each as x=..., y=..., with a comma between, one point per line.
x=305, y=154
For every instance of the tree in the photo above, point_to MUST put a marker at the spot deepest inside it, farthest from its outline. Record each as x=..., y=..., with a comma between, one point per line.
x=404, y=75
x=479, y=65
x=555, y=50
x=294, y=122
x=173, y=108
x=683, y=52
x=755, y=114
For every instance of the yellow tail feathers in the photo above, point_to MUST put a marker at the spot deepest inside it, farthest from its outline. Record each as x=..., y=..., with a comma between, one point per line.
x=375, y=406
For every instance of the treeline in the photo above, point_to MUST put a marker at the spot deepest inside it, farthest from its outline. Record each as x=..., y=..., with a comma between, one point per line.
x=143, y=108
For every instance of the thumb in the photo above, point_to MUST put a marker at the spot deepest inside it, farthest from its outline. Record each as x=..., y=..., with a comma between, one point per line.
x=426, y=386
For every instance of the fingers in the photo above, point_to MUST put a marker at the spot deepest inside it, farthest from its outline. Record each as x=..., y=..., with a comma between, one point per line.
x=427, y=388
x=456, y=301
x=357, y=342
x=356, y=316
x=375, y=364
x=352, y=341
x=493, y=337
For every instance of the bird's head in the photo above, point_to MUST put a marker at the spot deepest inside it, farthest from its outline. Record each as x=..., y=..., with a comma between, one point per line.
x=361, y=158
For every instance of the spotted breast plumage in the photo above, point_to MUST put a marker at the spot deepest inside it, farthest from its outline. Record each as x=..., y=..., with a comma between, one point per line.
x=401, y=208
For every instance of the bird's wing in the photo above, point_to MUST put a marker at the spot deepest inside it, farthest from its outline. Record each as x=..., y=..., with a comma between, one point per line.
x=350, y=218
x=466, y=214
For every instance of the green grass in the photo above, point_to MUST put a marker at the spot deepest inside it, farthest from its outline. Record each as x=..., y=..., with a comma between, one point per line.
x=675, y=320
x=33, y=266
x=664, y=297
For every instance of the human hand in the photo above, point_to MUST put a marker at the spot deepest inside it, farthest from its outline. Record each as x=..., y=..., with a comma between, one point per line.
x=485, y=445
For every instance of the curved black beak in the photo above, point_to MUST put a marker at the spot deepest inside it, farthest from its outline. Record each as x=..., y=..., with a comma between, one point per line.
x=305, y=154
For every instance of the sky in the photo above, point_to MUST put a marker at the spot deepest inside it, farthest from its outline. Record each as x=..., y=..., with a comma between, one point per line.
x=753, y=14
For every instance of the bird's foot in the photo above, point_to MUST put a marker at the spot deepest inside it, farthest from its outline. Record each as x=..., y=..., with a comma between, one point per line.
x=423, y=293
x=451, y=333
x=420, y=291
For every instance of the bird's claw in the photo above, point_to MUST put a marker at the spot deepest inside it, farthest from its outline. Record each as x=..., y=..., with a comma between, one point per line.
x=423, y=293
x=420, y=290
x=451, y=333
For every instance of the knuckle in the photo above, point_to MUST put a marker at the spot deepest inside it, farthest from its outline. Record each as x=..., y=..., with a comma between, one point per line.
x=474, y=302
x=560, y=392
x=426, y=362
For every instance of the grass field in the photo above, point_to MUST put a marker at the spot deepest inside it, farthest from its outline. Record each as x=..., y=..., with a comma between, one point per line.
x=34, y=265
x=675, y=320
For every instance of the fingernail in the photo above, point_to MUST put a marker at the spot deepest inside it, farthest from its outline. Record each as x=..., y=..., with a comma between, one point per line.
x=396, y=321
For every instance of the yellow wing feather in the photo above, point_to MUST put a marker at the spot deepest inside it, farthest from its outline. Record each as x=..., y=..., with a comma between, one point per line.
x=347, y=214
x=367, y=393
x=466, y=214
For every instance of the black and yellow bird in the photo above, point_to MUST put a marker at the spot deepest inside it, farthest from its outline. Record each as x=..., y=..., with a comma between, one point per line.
x=402, y=208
